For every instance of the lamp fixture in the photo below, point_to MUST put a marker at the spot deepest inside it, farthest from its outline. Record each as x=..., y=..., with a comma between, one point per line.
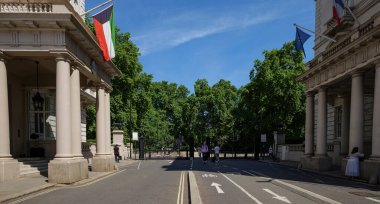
x=38, y=101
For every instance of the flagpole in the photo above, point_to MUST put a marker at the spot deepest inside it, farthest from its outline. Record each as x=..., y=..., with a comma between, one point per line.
x=96, y=7
x=352, y=14
x=328, y=38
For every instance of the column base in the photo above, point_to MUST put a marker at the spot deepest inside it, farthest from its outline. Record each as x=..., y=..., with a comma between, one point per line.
x=103, y=163
x=9, y=169
x=319, y=163
x=66, y=171
x=83, y=168
x=370, y=171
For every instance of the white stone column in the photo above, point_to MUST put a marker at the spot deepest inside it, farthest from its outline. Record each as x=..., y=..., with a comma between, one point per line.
x=309, y=125
x=356, y=117
x=76, y=140
x=100, y=122
x=321, y=131
x=108, y=122
x=9, y=167
x=4, y=110
x=63, y=103
x=376, y=117
x=345, y=126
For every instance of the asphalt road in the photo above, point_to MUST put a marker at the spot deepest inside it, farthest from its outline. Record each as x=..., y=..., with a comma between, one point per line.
x=230, y=181
x=247, y=181
x=159, y=181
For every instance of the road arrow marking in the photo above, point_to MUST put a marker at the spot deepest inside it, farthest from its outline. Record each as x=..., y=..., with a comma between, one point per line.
x=209, y=175
x=217, y=186
x=275, y=196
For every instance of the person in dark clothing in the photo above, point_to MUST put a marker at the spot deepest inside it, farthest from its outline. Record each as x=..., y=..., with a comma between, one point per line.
x=116, y=152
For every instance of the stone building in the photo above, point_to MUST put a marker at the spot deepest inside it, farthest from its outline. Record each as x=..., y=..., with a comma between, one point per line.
x=343, y=89
x=51, y=67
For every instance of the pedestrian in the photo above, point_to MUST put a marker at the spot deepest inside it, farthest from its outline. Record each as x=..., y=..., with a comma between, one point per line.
x=216, y=153
x=199, y=152
x=270, y=151
x=116, y=152
x=352, y=167
x=204, y=150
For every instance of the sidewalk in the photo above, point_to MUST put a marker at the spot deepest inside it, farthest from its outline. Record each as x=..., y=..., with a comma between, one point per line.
x=336, y=173
x=26, y=185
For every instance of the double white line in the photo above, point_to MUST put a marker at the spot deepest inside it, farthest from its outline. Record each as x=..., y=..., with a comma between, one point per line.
x=181, y=188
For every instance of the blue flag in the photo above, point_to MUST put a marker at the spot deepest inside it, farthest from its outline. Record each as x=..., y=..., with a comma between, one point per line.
x=301, y=37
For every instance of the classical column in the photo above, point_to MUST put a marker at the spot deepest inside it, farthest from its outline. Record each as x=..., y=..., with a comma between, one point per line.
x=100, y=122
x=108, y=122
x=63, y=103
x=309, y=124
x=376, y=117
x=76, y=140
x=4, y=119
x=321, y=131
x=356, y=117
x=345, y=126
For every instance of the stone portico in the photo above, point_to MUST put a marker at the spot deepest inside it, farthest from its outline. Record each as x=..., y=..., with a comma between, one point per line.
x=343, y=89
x=46, y=48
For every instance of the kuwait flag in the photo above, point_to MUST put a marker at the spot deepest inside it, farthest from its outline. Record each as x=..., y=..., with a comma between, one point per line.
x=338, y=8
x=105, y=32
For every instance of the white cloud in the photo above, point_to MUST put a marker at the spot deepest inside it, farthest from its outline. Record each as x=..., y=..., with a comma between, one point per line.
x=173, y=31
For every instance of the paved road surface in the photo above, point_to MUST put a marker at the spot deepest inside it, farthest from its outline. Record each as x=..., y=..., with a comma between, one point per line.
x=245, y=181
x=146, y=182
x=232, y=181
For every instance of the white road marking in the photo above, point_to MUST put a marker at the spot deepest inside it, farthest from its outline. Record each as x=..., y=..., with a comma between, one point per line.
x=138, y=167
x=217, y=186
x=374, y=200
x=170, y=161
x=275, y=196
x=328, y=200
x=242, y=189
x=209, y=175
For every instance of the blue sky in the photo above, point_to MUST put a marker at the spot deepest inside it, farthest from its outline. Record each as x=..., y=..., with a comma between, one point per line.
x=184, y=40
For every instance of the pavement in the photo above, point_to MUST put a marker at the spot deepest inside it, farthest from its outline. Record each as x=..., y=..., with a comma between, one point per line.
x=10, y=190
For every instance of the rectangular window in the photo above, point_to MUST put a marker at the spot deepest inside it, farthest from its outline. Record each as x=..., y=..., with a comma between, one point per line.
x=42, y=123
x=338, y=121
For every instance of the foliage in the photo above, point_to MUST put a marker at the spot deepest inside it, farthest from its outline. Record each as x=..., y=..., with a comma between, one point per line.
x=167, y=115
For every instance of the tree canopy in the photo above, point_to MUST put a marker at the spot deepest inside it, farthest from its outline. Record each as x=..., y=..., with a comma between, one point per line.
x=168, y=115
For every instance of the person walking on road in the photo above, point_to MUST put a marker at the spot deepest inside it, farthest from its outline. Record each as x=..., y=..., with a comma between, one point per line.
x=204, y=150
x=116, y=152
x=216, y=153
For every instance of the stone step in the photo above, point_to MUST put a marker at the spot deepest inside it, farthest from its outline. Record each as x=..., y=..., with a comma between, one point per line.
x=33, y=166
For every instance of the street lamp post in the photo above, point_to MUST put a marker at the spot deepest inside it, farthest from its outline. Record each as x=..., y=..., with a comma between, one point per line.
x=130, y=128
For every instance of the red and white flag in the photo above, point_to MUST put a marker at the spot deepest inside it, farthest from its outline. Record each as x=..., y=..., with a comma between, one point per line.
x=105, y=32
x=338, y=8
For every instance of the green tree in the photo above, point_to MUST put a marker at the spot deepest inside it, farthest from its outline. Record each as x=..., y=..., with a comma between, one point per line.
x=277, y=97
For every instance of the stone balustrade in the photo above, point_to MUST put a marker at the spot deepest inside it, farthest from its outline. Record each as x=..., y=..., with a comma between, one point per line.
x=25, y=8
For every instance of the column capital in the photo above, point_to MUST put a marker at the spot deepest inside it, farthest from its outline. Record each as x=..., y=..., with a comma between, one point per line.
x=62, y=58
x=356, y=74
x=75, y=67
x=321, y=89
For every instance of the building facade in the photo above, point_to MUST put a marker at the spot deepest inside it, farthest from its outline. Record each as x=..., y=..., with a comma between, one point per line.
x=343, y=89
x=51, y=68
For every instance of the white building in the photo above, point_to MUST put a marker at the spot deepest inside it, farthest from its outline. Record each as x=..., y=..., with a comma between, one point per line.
x=46, y=48
x=343, y=89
